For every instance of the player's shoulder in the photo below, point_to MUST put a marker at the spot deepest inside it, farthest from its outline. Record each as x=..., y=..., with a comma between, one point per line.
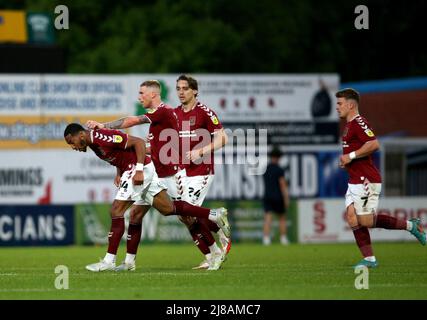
x=208, y=113
x=204, y=109
x=361, y=122
x=105, y=131
x=107, y=135
x=165, y=107
x=361, y=119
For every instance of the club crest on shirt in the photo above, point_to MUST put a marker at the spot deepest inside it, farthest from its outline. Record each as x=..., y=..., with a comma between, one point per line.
x=117, y=139
x=369, y=133
x=214, y=120
x=192, y=121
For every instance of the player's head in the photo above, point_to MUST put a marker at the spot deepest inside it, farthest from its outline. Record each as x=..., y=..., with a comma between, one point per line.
x=186, y=88
x=149, y=92
x=75, y=135
x=347, y=102
x=275, y=154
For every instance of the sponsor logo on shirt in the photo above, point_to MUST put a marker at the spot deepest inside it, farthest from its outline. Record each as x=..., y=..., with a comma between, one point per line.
x=117, y=139
x=214, y=120
x=369, y=133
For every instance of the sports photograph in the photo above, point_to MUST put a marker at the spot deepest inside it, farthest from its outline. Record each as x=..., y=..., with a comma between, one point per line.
x=212, y=159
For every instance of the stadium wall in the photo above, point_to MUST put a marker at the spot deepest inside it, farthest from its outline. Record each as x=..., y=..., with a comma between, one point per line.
x=395, y=106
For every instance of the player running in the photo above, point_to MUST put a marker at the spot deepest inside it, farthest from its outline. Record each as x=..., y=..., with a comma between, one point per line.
x=139, y=184
x=165, y=153
x=201, y=133
x=364, y=187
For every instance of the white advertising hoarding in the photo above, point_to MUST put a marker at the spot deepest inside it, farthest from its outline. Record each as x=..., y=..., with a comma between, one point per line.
x=294, y=108
x=54, y=177
x=252, y=97
x=63, y=94
x=323, y=220
x=35, y=110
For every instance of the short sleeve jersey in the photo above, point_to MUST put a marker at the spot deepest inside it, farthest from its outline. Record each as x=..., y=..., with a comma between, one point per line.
x=164, y=140
x=196, y=128
x=271, y=177
x=110, y=146
x=356, y=133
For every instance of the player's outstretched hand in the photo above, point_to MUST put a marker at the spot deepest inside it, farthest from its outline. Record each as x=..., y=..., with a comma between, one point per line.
x=138, y=178
x=91, y=124
x=194, y=155
x=344, y=160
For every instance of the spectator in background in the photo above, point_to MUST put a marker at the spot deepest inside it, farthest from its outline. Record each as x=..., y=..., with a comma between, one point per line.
x=321, y=105
x=276, y=197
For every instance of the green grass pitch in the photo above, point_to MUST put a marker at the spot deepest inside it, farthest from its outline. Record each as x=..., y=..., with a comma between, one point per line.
x=252, y=271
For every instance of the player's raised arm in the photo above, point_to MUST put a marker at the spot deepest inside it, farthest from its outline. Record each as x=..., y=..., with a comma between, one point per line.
x=121, y=123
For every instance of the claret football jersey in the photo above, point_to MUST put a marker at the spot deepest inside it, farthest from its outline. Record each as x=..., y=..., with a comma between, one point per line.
x=110, y=145
x=356, y=133
x=164, y=140
x=196, y=129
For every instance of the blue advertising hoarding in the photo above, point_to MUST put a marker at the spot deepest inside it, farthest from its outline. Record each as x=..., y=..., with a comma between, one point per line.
x=38, y=225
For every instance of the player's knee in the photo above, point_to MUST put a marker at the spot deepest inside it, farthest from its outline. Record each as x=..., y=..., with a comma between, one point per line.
x=116, y=211
x=352, y=220
x=136, y=215
x=365, y=221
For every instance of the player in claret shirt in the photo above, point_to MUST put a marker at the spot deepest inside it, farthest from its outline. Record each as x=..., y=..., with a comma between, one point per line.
x=138, y=184
x=166, y=155
x=201, y=133
x=364, y=186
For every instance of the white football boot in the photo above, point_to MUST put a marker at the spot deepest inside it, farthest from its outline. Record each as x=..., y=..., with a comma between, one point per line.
x=222, y=221
x=126, y=266
x=203, y=265
x=225, y=243
x=101, y=266
x=216, y=260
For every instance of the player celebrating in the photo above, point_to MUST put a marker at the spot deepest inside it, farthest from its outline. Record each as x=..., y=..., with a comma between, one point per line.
x=138, y=183
x=197, y=125
x=364, y=186
x=162, y=118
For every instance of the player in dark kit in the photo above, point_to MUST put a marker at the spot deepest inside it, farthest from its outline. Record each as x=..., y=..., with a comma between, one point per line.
x=364, y=186
x=276, y=197
x=139, y=184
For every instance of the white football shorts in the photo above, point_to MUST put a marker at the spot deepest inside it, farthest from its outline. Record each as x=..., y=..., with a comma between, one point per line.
x=196, y=188
x=175, y=185
x=364, y=197
x=141, y=194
